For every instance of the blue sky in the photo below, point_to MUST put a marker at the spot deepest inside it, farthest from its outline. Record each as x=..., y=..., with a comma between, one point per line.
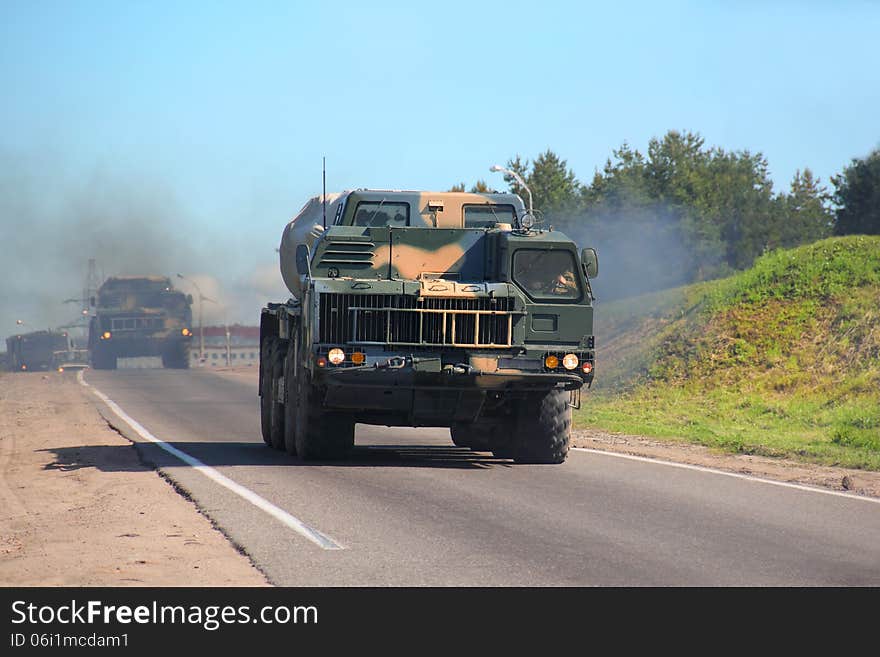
x=225, y=109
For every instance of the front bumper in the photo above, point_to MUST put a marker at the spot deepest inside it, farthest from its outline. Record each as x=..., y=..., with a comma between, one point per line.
x=129, y=346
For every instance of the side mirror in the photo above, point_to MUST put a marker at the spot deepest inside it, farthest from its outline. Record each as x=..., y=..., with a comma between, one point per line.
x=303, y=266
x=590, y=260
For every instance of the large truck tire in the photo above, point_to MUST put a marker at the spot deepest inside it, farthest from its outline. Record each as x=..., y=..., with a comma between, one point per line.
x=319, y=435
x=292, y=403
x=276, y=409
x=543, y=429
x=265, y=391
x=175, y=357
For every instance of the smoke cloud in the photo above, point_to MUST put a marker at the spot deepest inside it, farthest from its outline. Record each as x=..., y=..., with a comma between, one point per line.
x=638, y=252
x=51, y=226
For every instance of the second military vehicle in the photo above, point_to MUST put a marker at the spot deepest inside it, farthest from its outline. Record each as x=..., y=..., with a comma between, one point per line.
x=438, y=309
x=38, y=350
x=140, y=316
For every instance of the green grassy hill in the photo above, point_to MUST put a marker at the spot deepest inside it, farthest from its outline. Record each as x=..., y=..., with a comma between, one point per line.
x=782, y=359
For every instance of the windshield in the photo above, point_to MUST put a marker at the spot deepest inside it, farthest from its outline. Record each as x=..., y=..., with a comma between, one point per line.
x=546, y=275
x=43, y=342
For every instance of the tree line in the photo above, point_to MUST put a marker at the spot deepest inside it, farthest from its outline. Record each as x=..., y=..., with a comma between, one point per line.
x=683, y=211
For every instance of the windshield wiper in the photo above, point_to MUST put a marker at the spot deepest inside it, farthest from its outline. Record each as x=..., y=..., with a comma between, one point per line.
x=378, y=207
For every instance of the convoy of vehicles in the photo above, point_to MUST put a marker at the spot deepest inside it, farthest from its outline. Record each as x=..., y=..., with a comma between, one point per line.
x=444, y=309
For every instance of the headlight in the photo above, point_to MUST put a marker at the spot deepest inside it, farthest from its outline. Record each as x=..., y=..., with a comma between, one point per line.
x=185, y=332
x=570, y=361
x=106, y=335
x=336, y=356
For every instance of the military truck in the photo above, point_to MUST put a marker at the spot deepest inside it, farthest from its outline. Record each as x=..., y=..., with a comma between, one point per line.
x=140, y=316
x=442, y=309
x=38, y=350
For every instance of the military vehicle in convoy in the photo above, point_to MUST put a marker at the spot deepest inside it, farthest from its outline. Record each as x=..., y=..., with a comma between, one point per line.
x=140, y=316
x=38, y=350
x=426, y=309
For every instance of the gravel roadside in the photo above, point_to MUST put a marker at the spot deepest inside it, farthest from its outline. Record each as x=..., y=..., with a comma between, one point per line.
x=78, y=508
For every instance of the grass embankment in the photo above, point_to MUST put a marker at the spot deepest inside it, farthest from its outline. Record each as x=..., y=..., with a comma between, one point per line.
x=780, y=360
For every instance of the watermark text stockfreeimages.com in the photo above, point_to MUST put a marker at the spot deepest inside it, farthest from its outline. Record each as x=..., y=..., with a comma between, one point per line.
x=210, y=617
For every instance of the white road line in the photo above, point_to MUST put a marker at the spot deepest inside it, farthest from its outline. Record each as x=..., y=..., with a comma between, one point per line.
x=279, y=514
x=737, y=475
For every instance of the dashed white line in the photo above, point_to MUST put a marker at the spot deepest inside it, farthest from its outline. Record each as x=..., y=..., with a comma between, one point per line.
x=737, y=475
x=279, y=514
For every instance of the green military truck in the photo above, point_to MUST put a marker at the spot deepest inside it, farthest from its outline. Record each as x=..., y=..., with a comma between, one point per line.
x=140, y=316
x=440, y=309
x=37, y=350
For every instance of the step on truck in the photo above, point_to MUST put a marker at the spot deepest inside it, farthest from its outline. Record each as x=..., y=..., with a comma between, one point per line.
x=426, y=309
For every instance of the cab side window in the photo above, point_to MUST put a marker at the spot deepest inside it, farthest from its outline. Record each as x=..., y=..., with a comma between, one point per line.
x=487, y=216
x=379, y=213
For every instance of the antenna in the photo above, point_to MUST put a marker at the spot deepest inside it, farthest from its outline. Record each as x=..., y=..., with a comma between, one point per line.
x=324, y=196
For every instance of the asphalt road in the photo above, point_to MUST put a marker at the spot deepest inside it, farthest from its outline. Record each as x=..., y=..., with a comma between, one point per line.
x=411, y=509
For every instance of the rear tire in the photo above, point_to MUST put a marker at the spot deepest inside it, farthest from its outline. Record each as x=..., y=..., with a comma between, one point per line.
x=291, y=408
x=543, y=429
x=276, y=409
x=265, y=391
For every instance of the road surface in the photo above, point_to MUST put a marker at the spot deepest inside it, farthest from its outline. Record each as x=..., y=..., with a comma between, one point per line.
x=408, y=508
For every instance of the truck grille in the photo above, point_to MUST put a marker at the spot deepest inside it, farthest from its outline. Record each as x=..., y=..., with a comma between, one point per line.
x=385, y=319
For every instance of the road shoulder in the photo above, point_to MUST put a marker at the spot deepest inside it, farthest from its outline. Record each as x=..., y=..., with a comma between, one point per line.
x=860, y=482
x=79, y=508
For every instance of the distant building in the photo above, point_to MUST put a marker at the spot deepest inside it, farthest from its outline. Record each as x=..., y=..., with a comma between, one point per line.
x=240, y=346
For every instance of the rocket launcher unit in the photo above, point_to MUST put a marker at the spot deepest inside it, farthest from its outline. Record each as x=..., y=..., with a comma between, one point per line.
x=426, y=309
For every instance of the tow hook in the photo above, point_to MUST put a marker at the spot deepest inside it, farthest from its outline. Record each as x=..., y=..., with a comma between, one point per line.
x=393, y=363
x=459, y=368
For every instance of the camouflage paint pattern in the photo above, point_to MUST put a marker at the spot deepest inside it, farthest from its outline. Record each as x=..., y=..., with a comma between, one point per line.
x=422, y=264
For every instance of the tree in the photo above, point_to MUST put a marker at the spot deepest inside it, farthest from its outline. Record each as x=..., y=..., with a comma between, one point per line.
x=807, y=215
x=555, y=188
x=857, y=196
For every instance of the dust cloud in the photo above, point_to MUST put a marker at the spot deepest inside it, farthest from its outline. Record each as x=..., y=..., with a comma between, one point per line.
x=638, y=253
x=51, y=226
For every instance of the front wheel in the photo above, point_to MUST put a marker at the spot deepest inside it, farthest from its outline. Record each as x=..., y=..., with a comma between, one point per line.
x=543, y=429
x=276, y=408
x=102, y=360
x=318, y=434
